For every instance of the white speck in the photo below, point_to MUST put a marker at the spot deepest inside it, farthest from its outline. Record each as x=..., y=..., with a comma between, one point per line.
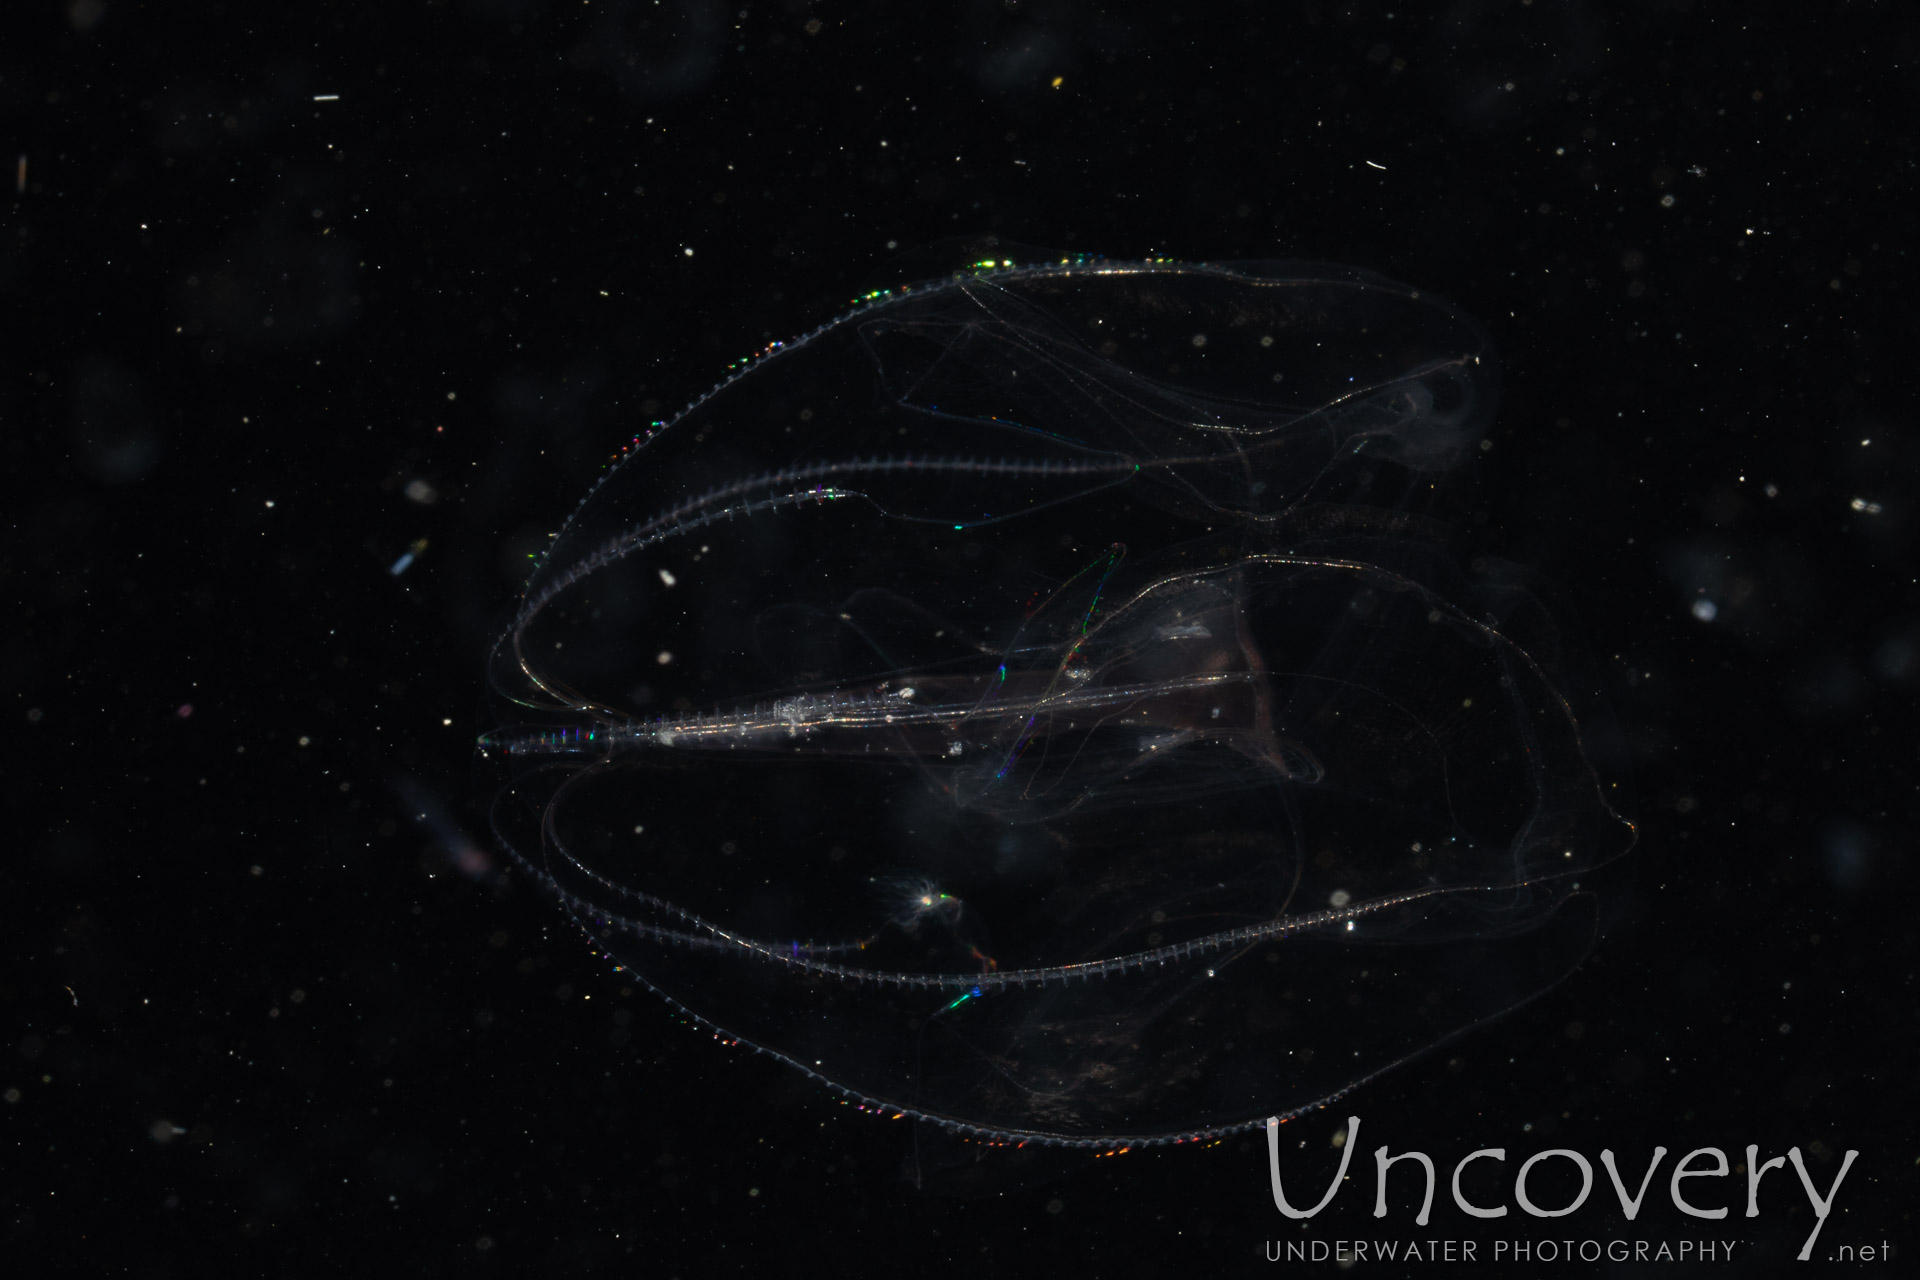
x=326, y=97
x=955, y=748
x=668, y=578
x=663, y=657
x=1372, y=165
x=1863, y=505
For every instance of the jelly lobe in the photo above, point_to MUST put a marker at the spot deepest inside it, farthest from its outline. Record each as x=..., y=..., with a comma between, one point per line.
x=1100, y=605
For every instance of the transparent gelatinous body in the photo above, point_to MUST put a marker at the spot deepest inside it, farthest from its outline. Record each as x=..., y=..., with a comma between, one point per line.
x=1038, y=701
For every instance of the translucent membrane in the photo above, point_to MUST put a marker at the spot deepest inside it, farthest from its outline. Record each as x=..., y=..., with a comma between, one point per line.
x=1041, y=702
